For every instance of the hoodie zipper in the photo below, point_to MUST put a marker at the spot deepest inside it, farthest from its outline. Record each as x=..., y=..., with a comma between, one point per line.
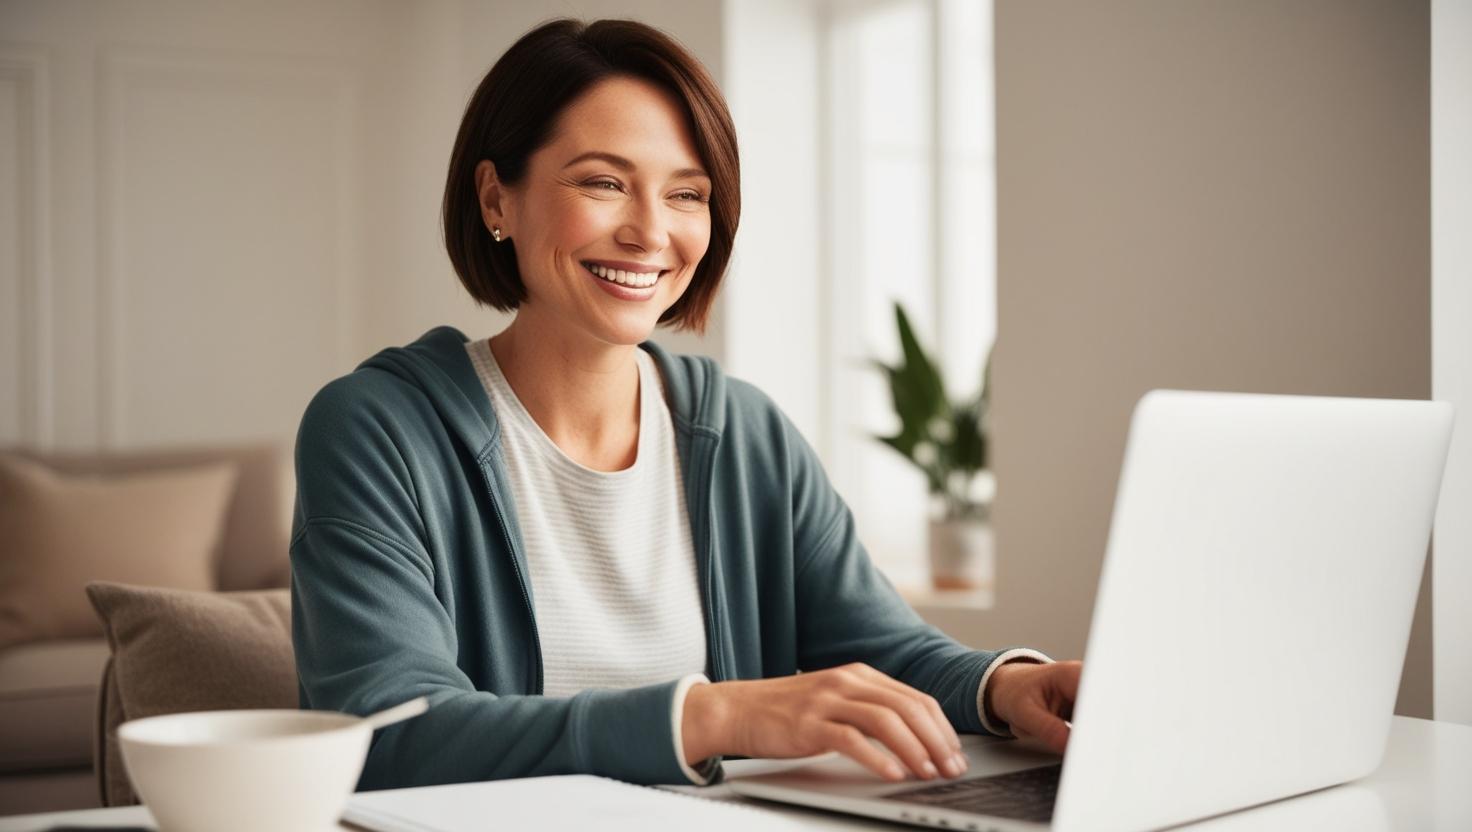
x=526, y=597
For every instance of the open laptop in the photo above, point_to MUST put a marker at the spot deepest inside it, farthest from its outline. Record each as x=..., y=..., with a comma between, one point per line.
x=1249, y=630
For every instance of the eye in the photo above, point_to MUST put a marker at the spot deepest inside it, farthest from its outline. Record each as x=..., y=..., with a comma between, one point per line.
x=604, y=184
x=690, y=196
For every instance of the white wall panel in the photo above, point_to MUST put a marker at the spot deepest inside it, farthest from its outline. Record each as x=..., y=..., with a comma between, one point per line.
x=776, y=273
x=24, y=308
x=227, y=242
x=1451, y=348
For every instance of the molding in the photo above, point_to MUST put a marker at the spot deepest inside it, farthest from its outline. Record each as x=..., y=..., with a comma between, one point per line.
x=28, y=68
x=123, y=71
x=1451, y=352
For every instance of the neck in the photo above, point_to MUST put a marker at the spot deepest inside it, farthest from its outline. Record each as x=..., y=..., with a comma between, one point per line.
x=582, y=392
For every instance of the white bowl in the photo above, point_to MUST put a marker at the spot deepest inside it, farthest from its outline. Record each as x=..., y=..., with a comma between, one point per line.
x=223, y=771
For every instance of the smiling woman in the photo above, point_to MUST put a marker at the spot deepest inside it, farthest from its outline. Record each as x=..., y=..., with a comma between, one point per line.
x=557, y=97
x=615, y=204
x=591, y=555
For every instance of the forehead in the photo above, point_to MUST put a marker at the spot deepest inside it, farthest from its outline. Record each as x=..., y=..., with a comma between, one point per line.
x=628, y=117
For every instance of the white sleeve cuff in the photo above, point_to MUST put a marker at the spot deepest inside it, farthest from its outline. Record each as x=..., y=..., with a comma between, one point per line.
x=678, y=715
x=1018, y=654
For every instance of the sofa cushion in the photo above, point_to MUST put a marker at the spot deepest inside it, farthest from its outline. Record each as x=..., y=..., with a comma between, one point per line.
x=175, y=651
x=48, y=703
x=253, y=553
x=58, y=532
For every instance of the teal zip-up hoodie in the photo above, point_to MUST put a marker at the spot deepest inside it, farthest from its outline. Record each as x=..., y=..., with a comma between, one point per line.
x=409, y=577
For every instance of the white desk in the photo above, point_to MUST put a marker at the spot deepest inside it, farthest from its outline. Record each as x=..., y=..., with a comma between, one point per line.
x=1424, y=783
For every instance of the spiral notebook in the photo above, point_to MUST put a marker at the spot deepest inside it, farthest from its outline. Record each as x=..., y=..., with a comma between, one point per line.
x=577, y=801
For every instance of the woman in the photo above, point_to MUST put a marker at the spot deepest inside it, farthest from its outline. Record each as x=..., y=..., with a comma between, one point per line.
x=591, y=555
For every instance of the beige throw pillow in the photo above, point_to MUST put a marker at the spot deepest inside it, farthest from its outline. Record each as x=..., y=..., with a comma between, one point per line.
x=175, y=651
x=58, y=532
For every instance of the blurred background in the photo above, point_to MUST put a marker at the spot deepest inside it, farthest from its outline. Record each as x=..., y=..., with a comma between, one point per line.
x=209, y=209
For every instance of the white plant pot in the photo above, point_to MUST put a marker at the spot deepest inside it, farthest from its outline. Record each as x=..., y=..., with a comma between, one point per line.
x=962, y=554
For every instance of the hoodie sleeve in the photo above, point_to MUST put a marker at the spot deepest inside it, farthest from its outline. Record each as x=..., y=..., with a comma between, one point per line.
x=370, y=631
x=849, y=612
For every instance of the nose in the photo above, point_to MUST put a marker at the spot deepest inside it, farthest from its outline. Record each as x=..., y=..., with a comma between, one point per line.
x=645, y=226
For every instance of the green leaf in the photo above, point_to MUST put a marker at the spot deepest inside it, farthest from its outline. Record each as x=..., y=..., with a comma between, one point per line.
x=919, y=397
x=923, y=381
x=900, y=443
x=903, y=399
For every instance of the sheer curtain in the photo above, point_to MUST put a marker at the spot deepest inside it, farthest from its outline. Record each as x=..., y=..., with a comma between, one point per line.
x=909, y=180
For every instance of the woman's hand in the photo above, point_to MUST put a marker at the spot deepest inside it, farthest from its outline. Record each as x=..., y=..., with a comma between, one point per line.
x=827, y=710
x=1036, y=700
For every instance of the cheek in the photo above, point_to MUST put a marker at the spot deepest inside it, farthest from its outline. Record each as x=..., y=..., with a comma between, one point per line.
x=694, y=237
x=578, y=222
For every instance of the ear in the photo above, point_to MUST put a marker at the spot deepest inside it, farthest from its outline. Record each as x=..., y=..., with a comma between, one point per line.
x=495, y=198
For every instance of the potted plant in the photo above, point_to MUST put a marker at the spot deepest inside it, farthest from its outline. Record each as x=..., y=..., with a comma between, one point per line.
x=947, y=441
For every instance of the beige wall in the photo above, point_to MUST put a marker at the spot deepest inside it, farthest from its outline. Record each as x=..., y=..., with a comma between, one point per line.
x=1214, y=195
x=207, y=211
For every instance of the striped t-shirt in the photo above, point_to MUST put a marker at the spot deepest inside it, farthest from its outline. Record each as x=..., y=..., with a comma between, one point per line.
x=614, y=589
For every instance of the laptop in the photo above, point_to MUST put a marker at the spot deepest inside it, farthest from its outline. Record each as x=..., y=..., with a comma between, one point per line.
x=1251, y=621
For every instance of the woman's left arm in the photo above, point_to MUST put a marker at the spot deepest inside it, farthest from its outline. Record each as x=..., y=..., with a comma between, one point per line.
x=848, y=611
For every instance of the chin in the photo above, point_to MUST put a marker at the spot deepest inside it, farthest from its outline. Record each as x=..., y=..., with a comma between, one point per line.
x=628, y=333
x=626, y=324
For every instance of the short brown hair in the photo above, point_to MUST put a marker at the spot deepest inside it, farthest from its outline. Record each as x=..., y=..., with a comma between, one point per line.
x=512, y=115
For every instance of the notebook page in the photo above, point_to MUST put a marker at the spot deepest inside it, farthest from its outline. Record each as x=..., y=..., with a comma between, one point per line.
x=573, y=802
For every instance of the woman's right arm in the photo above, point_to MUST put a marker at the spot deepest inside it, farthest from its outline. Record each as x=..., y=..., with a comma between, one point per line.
x=370, y=631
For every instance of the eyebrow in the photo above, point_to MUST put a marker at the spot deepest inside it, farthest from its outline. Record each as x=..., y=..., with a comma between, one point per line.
x=624, y=164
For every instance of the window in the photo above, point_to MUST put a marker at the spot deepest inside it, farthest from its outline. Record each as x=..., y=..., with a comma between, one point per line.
x=909, y=180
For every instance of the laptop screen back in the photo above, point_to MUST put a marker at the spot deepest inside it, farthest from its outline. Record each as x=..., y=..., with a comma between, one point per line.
x=1255, y=603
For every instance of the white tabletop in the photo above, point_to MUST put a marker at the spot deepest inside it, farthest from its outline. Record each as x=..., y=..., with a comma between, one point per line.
x=1425, y=783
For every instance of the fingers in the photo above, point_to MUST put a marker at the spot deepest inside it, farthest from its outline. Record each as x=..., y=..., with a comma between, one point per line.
x=1059, y=701
x=894, y=733
x=1067, y=676
x=879, y=722
x=1039, y=701
x=937, y=740
x=1043, y=725
x=851, y=742
x=947, y=733
x=909, y=722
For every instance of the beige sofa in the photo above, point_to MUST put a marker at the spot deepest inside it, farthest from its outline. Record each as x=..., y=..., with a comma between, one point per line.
x=49, y=690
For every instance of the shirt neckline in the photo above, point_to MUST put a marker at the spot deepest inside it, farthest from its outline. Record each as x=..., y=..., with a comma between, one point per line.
x=495, y=382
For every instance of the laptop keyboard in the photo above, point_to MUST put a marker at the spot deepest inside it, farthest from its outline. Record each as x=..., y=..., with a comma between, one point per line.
x=1020, y=795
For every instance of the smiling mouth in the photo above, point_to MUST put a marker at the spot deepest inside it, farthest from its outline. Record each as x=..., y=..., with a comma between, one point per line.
x=633, y=280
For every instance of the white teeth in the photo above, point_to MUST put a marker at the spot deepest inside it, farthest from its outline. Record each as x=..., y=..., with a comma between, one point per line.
x=633, y=279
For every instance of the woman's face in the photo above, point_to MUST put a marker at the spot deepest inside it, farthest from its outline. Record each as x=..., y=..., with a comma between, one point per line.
x=613, y=214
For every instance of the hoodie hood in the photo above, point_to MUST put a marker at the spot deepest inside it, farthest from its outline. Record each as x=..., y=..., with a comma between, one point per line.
x=437, y=364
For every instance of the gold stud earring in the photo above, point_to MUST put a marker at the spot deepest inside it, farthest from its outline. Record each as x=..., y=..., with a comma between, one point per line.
x=496, y=233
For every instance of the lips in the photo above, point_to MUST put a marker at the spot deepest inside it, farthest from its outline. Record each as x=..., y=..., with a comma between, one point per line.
x=633, y=275
x=624, y=291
